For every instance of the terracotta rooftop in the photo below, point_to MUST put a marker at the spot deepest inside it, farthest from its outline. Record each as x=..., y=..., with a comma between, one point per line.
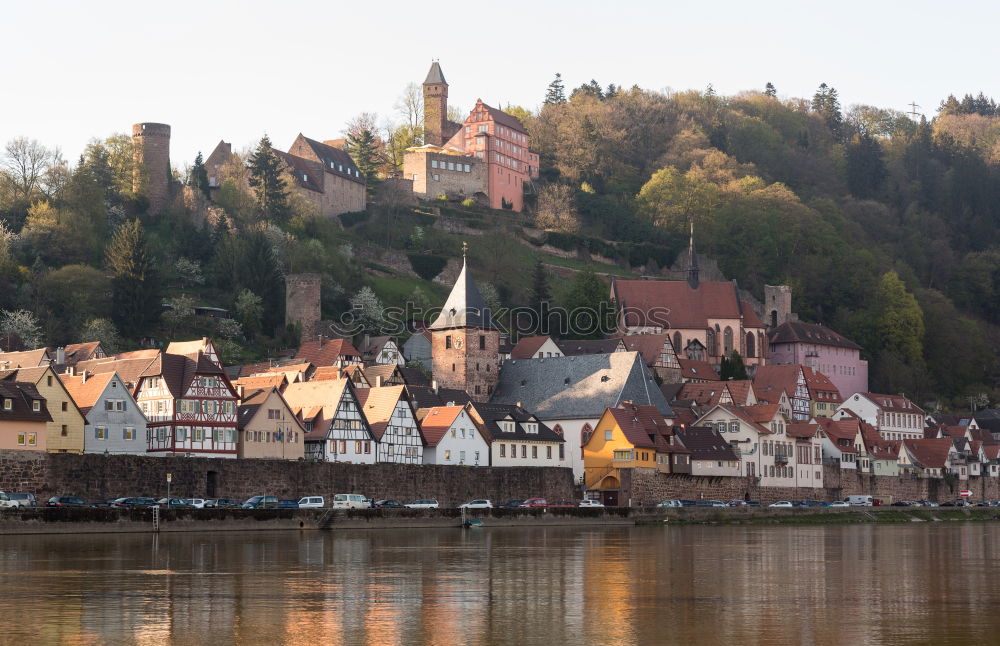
x=527, y=347
x=894, y=403
x=930, y=454
x=326, y=352
x=378, y=404
x=85, y=391
x=435, y=422
x=673, y=304
x=693, y=369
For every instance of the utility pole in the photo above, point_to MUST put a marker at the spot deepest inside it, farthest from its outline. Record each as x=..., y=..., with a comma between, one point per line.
x=913, y=110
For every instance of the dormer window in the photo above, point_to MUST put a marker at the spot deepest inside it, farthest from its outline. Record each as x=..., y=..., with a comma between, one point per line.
x=8, y=404
x=36, y=405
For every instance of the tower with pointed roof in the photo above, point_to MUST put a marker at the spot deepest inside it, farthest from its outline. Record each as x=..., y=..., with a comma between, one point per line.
x=465, y=342
x=435, y=106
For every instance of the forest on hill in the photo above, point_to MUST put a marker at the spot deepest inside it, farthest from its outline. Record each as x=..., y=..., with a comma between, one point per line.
x=885, y=226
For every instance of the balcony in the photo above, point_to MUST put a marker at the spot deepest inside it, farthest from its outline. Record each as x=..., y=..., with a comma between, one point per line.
x=781, y=459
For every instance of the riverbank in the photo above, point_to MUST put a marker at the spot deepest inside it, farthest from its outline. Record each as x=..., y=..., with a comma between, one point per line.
x=102, y=520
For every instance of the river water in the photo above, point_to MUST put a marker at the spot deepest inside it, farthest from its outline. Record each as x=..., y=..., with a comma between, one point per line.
x=927, y=583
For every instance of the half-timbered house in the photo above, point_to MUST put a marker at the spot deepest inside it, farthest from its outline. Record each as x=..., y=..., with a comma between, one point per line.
x=335, y=429
x=393, y=423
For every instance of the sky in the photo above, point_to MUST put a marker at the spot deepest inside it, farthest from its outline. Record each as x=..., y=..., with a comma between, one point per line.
x=75, y=70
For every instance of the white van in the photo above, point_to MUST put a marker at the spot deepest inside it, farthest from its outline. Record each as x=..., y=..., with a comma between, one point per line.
x=349, y=501
x=311, y=502
x=859, y=501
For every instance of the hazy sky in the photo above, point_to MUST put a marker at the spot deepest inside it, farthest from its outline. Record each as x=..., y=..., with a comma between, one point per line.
x=230, y=70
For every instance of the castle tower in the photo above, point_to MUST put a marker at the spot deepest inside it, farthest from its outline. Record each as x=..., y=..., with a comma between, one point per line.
x=465, y=344
x=778, y=305
x=435, y=106
x=151, y=154
x=302, y=303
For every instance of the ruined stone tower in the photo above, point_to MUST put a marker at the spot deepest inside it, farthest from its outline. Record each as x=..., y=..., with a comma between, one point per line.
x=778, y=305
x=151, y=153
x=435, y=106
x=302, y=303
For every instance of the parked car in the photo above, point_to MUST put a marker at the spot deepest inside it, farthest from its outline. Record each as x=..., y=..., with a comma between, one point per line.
x=928, y=503
x=753, y=503
x=840, y=503
x=104, y=502
x=859, y=501
x=737, y=503
x=587, y=502
x=710, y=503
x=512, y=504
x=65, y=501
x=221, y=503
x=781, y=503
x=173, y=503
x=423, y=503
x=389, y=504
x=350, y=501
x=24, y=499
x=670, y=503
x=534, y=502
x=288, y=504
x=6, y=502
x=197, y=503
x=562, y=504
x=135, y=502
x=955, y=503
x=903, y=503
x=814, y=503
x=261, y=502
x=688, y=503
x=312, y=502
x=481, y=503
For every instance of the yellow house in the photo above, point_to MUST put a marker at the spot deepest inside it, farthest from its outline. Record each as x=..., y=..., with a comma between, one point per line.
x=626, y=437
x=64, y=434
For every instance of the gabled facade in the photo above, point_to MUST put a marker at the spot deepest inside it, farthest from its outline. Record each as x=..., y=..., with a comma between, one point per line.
x=114, y=422
x=381, y=350
x=335, y=429
x=532, y=347
x=23, y=417
x=328, y=352
x=451, y=437
x=710, y=453
x=658, y=351
x=517, y=437
x=393, y=422
x=840, y=442
x=894, y=416
x=64, y=432
x=931, y=458
x=326, y=176
x=417, y=349
x=190, y=405
x=771, y=381
x=824, y=397
x=268, y=428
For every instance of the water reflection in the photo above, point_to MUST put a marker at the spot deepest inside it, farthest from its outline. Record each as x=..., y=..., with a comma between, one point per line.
x=926, y=583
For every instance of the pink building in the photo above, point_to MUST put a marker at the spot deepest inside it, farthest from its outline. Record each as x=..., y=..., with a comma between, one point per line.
x=820, y=348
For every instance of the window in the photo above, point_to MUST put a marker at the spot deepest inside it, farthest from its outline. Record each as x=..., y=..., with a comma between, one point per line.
x=128, y=433
x=36, y=405
x=447, y=456
x=562, y=452
x=100, y=433
x=503, y=450
x=548, y=452
x=468, y=169
x=64, y=431
x=482, y=342
x=368, y=447
x=199, y=435
x=534, y=452
x=65, y=406
x=21, y=439
x=447, y=342
x=451, y=165
x=8, y=404
x=524, y=450
x=437, y=177
x=461, y=456
x=32, y=439
x=608, y=435
x=343, y=446
x=434, y=163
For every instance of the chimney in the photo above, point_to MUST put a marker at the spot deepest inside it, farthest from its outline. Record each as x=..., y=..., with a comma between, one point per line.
x=434, y=386
x=367, y=342
x=83, y=374
x=60, y=355
x=378, y=381
x=239, y=392
x=518, y=404
x=71, y=371
x=204, y=341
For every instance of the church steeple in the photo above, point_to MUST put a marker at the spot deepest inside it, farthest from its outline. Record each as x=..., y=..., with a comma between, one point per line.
x=692, y=261
x=465, y=306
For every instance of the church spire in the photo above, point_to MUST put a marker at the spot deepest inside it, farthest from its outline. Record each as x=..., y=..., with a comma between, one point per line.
x=692, y=261
x=465, y=306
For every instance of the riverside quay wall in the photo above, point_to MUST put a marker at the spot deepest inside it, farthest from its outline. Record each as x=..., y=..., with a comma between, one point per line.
x=648, y=486
x=95, y=476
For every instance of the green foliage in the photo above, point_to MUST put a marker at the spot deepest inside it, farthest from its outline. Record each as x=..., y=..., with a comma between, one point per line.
x=427, y=266
x=353, y=217
x=103, y=330
x=364, y=150
x=266, y=171
x=249, y=309
x=732, y=368
x=199, y=176
x=556, y=92
x=135, y=284
x=588, y=306
x=469, y=203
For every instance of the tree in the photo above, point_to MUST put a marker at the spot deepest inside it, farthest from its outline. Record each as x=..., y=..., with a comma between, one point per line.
x=556, y=211
x=410, y=106
x=732, y=367
x=26, y=161
x=266, y=180
x=589, y=313
x=180, y=313
x=866, y=171
x=769, y=90
x=899, y=321
x=23, y=324
x=556, y=92
x=541, y=297
x=103, y=330
x=671, y=199
x=135, y=283
x=363, y=148
x=189, y=272
x=249, y=311
x=827, y=104
x=368, y=311
x=199, y=176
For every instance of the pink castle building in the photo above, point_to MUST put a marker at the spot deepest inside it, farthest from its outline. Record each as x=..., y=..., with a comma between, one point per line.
x=820, y=348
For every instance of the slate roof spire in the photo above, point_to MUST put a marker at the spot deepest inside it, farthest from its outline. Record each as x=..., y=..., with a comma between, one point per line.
x=465, y=306
x=435, y=75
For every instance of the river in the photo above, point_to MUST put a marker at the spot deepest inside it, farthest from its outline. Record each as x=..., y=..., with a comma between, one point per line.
x=926, y=583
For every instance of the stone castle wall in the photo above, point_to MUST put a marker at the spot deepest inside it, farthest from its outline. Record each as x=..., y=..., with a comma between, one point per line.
x=96, y=476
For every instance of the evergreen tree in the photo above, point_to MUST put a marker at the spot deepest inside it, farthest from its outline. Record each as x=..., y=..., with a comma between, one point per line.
x=588, y=307
x=540, y=296
x=135, y=284
x=866, y=172
x=827, y=103
x=950, y=105
x=266, y=180
x=899, y=321
x=556, y=92
x=199, y=175
x=769, y=90
x=364, y=150
x=732, y=368
x=592, y=89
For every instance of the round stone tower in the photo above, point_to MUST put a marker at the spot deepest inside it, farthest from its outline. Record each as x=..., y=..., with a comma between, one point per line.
x=151, y=153
x=302, y=303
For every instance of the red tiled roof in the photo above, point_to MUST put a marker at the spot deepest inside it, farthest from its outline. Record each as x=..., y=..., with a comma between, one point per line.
x=894, y=403
x=818, y=383
x=435, y=422
x=931, y=454
x=842, y=433
x=377, y=405
x=649, y=346
x=504, y=119
x=85, y=393
x=749, y=417
x=527, y=347
x=739, y=390
x=771, y=379
x=258, y=382
x=703, y=394
x=326, y=352
x=673, y=304
x=310, y=398
x=692, y=369
x=801, y=429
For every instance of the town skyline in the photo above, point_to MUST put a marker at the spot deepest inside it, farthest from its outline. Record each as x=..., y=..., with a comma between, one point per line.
x=196, y=71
